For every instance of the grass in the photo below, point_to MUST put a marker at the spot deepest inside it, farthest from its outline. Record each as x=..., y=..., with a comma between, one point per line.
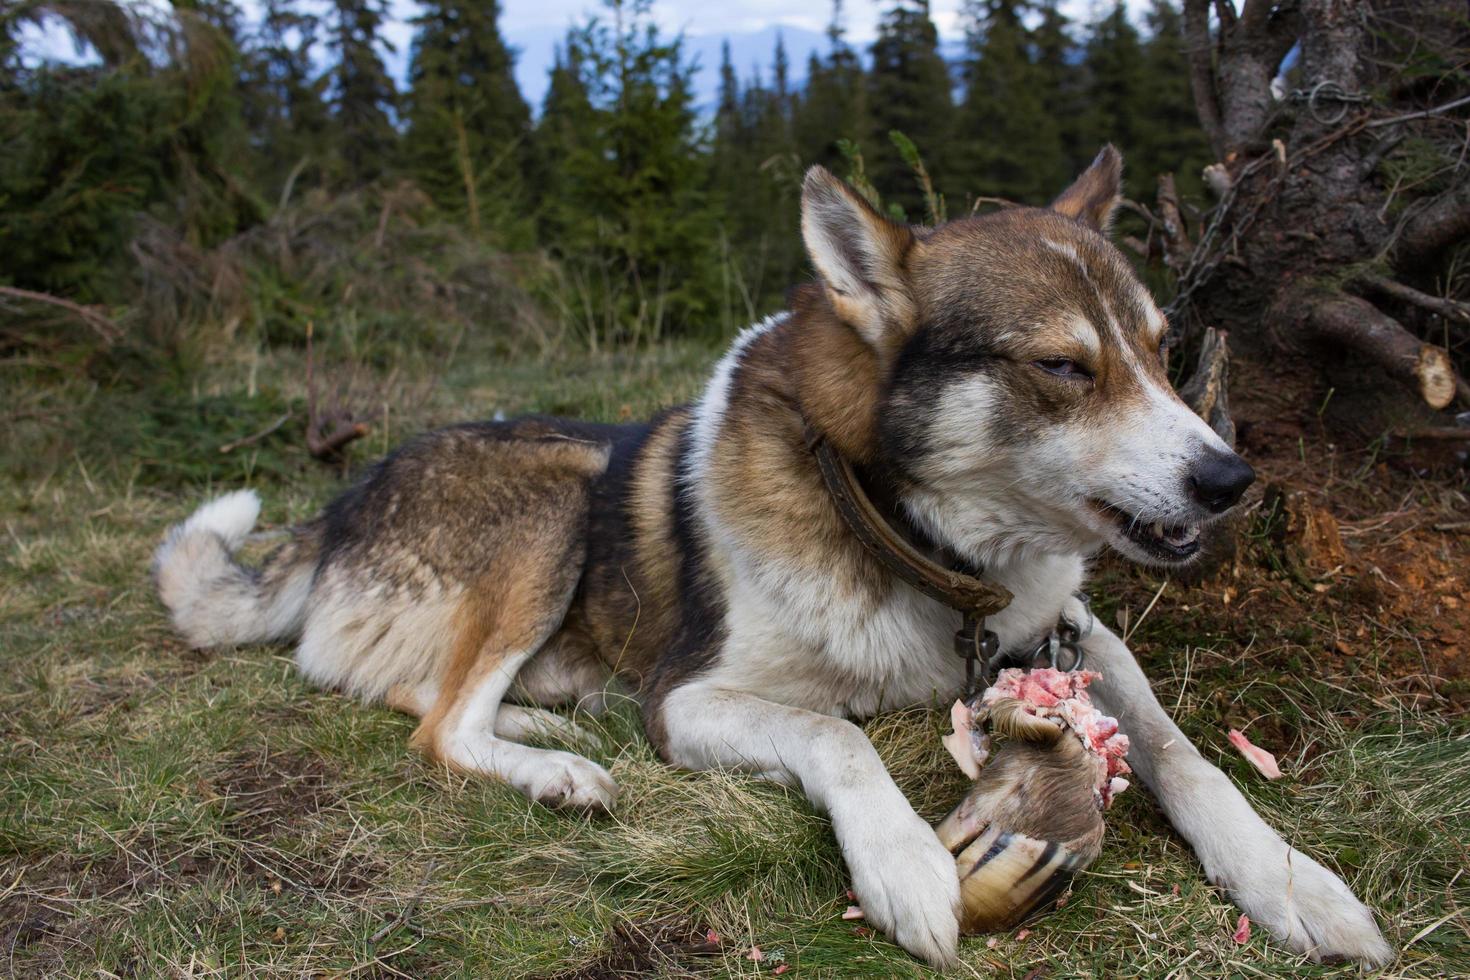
x=169, y=812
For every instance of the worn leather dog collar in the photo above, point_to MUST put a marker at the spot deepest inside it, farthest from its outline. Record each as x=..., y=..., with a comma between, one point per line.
x=968, y=593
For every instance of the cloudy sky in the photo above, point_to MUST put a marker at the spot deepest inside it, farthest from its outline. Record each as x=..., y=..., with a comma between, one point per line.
x=535, y=26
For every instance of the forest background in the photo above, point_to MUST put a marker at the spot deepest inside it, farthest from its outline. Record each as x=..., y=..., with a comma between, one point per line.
x=236, y=250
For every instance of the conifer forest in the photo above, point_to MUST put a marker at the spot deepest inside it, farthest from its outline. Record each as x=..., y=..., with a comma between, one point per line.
x=239, y=249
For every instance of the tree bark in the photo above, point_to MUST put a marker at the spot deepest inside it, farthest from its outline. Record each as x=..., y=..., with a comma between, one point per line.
x=1338, y=318
x=1307, y=206
x=1444, y=222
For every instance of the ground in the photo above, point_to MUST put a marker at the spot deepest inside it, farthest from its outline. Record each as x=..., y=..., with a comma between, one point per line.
x=170, y=812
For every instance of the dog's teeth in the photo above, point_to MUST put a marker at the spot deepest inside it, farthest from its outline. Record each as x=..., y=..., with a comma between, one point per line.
x=1158, y=529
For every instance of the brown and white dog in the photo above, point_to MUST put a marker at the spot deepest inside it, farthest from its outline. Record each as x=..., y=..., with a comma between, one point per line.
x=999, y=380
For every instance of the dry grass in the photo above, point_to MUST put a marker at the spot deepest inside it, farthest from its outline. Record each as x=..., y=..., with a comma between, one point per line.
x=165, y=813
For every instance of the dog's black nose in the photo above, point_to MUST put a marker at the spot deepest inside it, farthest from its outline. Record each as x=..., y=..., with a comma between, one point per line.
x=1219, y=480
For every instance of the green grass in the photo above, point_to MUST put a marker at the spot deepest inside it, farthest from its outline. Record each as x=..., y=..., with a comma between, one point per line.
x=169, y=812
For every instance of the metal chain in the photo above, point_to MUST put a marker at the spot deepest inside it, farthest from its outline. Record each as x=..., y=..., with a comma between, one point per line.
x=1328, y=91
x=983, y=657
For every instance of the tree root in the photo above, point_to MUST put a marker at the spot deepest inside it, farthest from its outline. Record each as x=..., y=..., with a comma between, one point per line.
x=1449, y=308
x=1434, y=229
x=1353, y=322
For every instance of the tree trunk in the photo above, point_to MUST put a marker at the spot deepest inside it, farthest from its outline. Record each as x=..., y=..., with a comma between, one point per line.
x=1342, y=203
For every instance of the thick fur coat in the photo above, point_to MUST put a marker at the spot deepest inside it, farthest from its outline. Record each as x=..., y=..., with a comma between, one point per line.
x=996, y=380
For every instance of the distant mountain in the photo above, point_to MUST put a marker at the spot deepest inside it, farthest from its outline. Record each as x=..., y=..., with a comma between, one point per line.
x=750, y=53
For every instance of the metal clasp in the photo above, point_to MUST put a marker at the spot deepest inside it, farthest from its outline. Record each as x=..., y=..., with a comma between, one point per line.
x=977, y=645
x=1065, y=636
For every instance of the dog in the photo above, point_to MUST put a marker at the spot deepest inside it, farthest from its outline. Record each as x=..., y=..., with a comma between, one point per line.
x=999, y=378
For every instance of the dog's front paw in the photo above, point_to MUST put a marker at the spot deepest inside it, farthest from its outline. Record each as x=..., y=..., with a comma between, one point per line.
x=1305, y=906
x=906, y=883
x=567, y=781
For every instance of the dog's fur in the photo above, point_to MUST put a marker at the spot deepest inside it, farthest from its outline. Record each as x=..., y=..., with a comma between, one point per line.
x=999, y=376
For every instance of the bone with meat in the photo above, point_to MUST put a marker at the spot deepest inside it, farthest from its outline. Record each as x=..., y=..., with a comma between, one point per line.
x=1033, y=819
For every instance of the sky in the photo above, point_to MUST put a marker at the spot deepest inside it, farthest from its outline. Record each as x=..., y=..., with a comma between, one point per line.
x=534, y=27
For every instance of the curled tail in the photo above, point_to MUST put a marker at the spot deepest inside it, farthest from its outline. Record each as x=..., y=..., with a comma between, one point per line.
x=213, y=599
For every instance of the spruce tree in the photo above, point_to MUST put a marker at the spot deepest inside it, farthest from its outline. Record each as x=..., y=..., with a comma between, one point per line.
x=1010, y=144
x=628, y=216
x=1116, y=91
x=467, y=123
x=284, y=107
x=362, y=94
x=1169, y=137
x=908, y=91
x=1060, y=82
x=834, y=106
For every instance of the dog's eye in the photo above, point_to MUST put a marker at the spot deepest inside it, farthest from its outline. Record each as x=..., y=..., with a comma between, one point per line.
x=1063, y=368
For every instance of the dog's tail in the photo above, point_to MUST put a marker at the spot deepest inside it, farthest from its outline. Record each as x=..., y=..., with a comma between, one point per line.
x=213, y=598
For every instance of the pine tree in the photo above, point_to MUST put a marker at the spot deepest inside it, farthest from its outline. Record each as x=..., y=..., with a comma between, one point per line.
x=284, y=109
x=908, y=91
x=467, y=122
x=1169, y=136
x=362, y=94
x=1116, y=91
x=89, y=148
x=834, y=105
x=1010, y=144
x=565, y=125
x=755, y=180
x=1060, y=81
x=729, y=128
x=627, y=214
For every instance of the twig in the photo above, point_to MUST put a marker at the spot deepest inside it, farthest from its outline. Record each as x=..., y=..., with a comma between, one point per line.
x=232, y=446
x=324, y=447
x=408, y=909
x=1419, y=115
x=1002, y=202
x=99, y=322
x=1128, y=633
x=345, y=430
x=1447, y=433
x=1443, y=306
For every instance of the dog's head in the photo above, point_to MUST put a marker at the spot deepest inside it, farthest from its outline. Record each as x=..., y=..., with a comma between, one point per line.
x=1018, y=381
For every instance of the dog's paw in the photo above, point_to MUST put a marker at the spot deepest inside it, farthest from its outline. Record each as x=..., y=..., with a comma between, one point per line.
x=1306, y=907
x=906, y=883
x=568, y=781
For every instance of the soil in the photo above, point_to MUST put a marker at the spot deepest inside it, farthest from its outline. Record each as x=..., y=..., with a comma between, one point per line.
x=1393, y=591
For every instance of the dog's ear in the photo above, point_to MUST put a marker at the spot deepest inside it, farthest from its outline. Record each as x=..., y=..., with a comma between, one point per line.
x=1094, y=196
x=860, y=256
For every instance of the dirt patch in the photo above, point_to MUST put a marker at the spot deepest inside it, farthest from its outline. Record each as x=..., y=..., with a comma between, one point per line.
x=1373, y=589
x=646, y=948
x=264, y=793
x=40, y=922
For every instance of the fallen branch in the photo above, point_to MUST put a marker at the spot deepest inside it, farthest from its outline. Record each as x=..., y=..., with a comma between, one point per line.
x=99, y=322
x=329, y=446
x=1440, y=305
x=1354, y=322
x=1445, y=433
x=322, y=444
x=1177, y=247
x=1207, y=390
x=230, y=447
x=1420, y=114
x=1437, y=227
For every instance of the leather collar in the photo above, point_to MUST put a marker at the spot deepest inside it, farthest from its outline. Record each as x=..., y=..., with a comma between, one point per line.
x=960, y=588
